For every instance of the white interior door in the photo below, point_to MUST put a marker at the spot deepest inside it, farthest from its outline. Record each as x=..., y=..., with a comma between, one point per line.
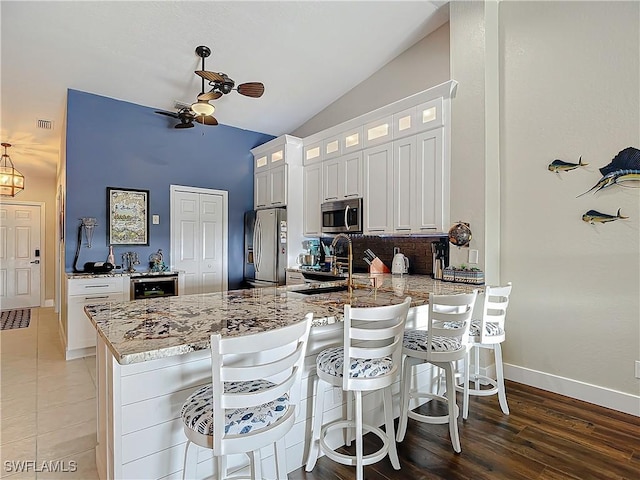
x=199, y=238
x=20, y=255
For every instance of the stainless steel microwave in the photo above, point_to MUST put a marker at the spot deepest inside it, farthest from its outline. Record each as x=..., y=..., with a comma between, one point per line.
x=344, y=216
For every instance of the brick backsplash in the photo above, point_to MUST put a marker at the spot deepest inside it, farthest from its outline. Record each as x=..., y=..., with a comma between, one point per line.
x=416, y=249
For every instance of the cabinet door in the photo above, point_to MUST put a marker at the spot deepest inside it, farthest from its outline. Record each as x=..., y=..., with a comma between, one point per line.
x=80, y=331
x=404, y=184
x=331, y=176
x=378, y=189
x=278, y=186
x=261, y=189
x=352, y=175
x=312, y=199
x=431, y=181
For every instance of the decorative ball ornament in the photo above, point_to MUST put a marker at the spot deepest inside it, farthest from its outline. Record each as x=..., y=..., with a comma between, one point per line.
x=460, y=234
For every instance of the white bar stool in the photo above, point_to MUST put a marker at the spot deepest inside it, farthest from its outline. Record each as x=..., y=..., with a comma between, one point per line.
x=442, y=347
x=369, y=360
x=488, y=333
x=250, y=403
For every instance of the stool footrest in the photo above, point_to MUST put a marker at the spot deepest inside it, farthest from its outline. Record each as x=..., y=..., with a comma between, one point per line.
x=481, y=392
x=432, y=419
x=350, y=460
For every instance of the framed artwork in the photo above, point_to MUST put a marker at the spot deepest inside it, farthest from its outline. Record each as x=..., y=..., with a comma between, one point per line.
x=127, y=216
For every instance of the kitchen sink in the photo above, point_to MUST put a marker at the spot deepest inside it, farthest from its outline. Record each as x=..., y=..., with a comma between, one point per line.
x=323, y=276
x=319, y=290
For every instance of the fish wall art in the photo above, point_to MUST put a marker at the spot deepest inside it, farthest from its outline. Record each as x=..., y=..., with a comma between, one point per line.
x=593, y=217
x=558, y=166
x=625, y=167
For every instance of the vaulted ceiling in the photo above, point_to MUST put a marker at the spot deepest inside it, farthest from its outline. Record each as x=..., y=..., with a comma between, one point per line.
x=308, y=54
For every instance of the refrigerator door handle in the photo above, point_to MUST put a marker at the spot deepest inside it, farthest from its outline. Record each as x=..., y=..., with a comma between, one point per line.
x=257, y=244
x=346, y=217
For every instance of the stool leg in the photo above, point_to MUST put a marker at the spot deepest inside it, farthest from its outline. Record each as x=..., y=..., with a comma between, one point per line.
x=256, y=464
x=281, y=459
x=391, y=438
x=221, y=466
x=318, y=409
x=451, y=403
x=185, y=462
x=502, y=394
x=465, y=386
x=349, y=431
x=476, y=366
x=359, y=446
x=404, y=399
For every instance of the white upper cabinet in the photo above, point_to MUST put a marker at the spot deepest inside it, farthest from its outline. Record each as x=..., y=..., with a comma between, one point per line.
x=312, y=198
x=342, y=177
x=396, y=157
x=313, y=153
x=433, y=183
x=378, y=196
x=403, y=183
x=274, y=163
x=378, y=132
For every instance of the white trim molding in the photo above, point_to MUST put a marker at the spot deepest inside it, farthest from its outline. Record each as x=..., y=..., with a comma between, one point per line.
x=605, y=397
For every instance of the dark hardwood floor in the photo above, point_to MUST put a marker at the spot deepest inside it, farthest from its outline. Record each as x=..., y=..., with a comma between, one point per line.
x=546, y=436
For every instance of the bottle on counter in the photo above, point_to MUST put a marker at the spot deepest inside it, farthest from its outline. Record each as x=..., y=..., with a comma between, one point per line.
x=110, y=258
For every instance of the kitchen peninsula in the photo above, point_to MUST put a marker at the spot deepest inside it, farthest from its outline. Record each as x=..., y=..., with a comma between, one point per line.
x=151, y=354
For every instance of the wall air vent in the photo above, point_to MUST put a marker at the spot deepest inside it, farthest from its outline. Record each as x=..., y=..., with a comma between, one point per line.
x=45, y=124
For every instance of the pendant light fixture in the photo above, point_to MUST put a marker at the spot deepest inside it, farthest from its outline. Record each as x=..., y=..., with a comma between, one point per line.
x=11, y=180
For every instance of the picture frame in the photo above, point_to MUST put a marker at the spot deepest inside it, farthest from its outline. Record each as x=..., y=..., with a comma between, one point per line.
x=127, y=216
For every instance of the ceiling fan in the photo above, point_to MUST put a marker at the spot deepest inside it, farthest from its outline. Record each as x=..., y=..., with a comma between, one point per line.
x=201, y=110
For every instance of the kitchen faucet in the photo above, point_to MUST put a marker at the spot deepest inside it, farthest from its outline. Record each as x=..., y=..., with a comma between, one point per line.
x=349, y=260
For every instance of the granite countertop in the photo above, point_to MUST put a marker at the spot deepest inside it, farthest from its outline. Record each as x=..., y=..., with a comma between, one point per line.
x=119, y=273
x=149, y=329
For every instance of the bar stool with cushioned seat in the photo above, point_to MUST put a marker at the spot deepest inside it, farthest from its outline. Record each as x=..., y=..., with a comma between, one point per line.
x=369, y=360
x=488, y=333
x=250, y=403
x=442, y=347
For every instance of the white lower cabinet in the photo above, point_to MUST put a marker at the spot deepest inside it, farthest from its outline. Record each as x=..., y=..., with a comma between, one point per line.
x=80, y=334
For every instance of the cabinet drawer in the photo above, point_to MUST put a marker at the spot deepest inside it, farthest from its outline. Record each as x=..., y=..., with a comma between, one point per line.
x=294, y=278
x=88, y=286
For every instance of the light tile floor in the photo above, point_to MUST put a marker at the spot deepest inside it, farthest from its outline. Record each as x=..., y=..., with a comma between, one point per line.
x=47, y=405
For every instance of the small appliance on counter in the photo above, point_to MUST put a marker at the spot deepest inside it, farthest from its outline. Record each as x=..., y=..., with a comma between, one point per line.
x=310, y=258
x=400, y=264
x=440, y=253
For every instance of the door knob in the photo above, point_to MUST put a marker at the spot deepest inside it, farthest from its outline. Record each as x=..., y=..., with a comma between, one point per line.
x=36, y=262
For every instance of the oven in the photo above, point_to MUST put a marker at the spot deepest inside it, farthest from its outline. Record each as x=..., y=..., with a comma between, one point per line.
x=344, y=216
x=151, y=286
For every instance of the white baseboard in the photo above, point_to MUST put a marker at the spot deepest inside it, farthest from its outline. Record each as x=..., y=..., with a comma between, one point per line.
x=605, y=397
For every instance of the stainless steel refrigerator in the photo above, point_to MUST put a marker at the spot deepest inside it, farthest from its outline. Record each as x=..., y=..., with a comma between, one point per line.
x=265, y=247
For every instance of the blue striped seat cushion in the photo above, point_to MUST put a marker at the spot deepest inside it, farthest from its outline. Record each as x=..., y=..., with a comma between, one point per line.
x=491, y=329
x=417, y=340
x=331, y=361
x=197, y=410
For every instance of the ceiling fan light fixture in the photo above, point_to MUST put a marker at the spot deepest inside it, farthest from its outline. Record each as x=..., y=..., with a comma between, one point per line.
x=203, y=108
x=11, y=180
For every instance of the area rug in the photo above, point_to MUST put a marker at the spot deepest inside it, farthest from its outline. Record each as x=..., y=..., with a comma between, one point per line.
x=15, y=318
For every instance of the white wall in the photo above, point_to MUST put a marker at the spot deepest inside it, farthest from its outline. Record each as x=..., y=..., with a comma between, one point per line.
x=570, y=88
x=422, y=66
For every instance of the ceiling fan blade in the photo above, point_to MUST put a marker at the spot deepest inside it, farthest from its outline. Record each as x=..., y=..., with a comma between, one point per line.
x=184, y=125
x=251, y=89
x=168, y=114
x=205, y=97
x=210, y=76
x=206, y=120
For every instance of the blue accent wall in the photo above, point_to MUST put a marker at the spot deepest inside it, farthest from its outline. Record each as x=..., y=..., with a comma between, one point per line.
x=111, y=143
